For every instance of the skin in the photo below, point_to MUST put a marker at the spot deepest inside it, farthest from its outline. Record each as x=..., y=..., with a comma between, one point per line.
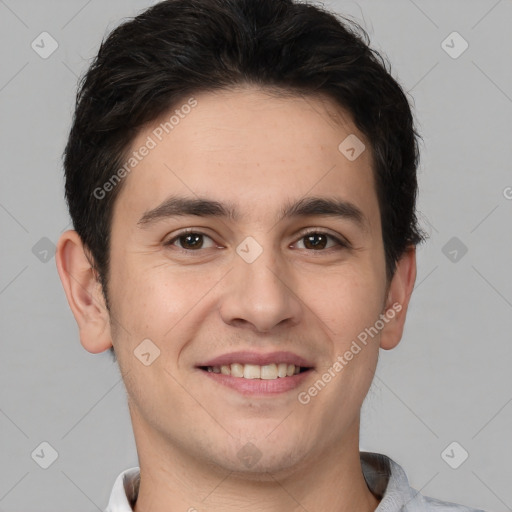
x=256, y=151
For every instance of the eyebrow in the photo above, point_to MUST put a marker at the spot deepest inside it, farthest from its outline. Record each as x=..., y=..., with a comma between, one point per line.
x=176, y=206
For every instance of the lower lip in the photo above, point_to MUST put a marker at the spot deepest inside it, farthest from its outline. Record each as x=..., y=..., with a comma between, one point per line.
x=259, y=386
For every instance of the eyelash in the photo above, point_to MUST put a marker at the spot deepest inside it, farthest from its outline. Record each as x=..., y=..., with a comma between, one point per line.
x=191, y=231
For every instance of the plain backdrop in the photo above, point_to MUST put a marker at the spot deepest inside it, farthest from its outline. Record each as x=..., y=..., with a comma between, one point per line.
x=449, y=379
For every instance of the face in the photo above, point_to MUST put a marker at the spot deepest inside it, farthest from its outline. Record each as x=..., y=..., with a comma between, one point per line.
x=285, y=268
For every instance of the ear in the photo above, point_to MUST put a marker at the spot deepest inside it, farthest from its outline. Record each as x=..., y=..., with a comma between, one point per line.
x=397, y=301
x=84, y=294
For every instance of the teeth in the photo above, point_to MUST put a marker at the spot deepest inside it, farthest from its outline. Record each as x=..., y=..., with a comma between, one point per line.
x=269, y=371
x=237, y=370
x=253, y=371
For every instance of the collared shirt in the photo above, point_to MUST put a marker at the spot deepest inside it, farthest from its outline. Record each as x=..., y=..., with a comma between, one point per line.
x=384, y=477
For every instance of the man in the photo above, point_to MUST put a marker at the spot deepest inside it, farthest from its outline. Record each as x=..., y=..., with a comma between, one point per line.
x=241, y=176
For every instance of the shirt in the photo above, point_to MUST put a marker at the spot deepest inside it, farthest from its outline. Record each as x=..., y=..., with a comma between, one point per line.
x=384, y=477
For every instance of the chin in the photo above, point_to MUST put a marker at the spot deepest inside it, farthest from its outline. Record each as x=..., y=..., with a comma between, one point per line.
x=259, y=461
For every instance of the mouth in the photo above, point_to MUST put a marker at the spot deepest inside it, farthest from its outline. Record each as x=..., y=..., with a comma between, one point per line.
x=251, y=373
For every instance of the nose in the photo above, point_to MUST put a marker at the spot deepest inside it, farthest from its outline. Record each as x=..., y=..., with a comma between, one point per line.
x=260, y=295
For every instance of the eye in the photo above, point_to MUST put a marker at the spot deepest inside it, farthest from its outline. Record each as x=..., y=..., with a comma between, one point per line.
x=314, y=240
x=191, y=241
x=318, y=240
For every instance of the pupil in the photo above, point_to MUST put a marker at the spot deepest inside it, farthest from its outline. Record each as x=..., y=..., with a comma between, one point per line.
x=196, y=241
x=314, y=242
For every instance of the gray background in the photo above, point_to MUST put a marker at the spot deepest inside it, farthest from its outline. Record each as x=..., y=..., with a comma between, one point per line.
x=448, y=380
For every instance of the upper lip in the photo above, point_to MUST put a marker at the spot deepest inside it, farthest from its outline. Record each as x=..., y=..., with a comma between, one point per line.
x=261, y=359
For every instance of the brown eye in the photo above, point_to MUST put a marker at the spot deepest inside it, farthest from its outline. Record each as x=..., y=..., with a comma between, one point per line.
x=315, y=241
x=191, y=241
x=318, y=240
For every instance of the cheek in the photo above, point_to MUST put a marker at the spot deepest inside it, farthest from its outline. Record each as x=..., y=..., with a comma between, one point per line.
x=155, y=301
x=347, y=300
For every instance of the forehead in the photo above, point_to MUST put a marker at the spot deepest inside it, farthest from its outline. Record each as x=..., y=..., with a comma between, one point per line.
x=252, y=149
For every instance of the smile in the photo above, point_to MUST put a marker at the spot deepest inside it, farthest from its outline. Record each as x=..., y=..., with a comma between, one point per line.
x=257, y=373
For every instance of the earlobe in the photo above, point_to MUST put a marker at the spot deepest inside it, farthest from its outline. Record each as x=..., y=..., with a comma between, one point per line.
x=83, y=292
x=398, y=298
